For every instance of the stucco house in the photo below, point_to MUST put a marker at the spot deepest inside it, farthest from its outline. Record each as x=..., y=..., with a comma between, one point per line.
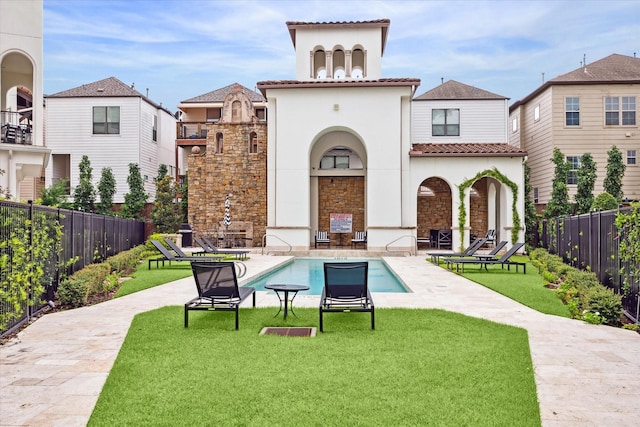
x=22, y=151
x=587, y=110
x=114, y=125
x=340, y=142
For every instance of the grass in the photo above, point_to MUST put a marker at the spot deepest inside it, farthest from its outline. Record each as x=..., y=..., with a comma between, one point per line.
x=419, y=367
x=528, y=289
x=143, y=278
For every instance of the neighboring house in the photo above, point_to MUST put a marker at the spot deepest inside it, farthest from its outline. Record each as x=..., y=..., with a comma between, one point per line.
x=460, y=131
x=114, y=125
x=225, y=131
x=22, y=152
x=339, y=142
x=587, y=110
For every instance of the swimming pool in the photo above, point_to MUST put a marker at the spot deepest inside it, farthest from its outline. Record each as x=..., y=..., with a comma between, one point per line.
x=309, y=271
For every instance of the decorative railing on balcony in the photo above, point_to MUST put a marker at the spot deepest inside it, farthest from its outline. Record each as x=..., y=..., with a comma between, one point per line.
x=191, y=131
x=14, y=129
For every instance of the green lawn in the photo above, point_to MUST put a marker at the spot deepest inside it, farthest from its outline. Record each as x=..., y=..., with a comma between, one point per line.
x=144, y=278
x=419, y=367
x=528, y=289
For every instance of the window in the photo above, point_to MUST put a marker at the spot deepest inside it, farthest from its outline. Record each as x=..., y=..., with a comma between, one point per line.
x=334, y=162
x=535, y=195
x=572, y=111
x=253, y=143
x=219, y=143
x=445, y=122
x=536, y=113
x=106, y=120
x=514, y=125
x=631, y=157
x=236, y=114
x=261, y=114
x=614, y=115
x=573, y=163
x=154, y=133
x=213, y=114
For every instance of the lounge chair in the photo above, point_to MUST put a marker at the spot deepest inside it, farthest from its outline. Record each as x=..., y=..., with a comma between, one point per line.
x=504, y=260
x=488, y=256
x=217, y=289
x=208, y=247
x=321, y=237
x=471, y=249
x=168, y=256
x=360, y=238
x=346, y=290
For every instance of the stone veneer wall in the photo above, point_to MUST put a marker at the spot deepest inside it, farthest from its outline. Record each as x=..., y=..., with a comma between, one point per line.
x=434, y=212
x=234, y=171
x=343, y=194
x=479, y=211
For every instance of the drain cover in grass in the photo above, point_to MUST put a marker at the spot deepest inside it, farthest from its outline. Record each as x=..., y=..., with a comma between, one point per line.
x=289, y=332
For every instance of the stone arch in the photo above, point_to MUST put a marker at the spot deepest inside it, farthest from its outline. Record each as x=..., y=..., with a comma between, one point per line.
x=434, y=206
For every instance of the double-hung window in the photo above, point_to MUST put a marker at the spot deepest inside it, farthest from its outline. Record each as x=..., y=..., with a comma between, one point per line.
x=106, y=120
x=573, y=163
x=572, y=111
x=620, y=111
x=445, y=122
x=632, y=157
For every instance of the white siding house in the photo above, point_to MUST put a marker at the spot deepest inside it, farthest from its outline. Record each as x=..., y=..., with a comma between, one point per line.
x=113, y=125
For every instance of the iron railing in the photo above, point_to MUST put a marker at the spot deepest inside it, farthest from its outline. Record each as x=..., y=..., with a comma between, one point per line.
x=86, y=238
x=592, y=241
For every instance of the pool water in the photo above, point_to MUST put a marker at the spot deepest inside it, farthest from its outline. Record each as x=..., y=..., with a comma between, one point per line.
x=310, y=272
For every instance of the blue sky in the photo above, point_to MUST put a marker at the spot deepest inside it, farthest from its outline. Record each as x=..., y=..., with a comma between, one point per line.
x=184, y=48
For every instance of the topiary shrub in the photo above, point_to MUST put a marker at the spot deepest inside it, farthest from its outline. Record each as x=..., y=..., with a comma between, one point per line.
x=606, y=304
x=604, y=202
x=72, y=292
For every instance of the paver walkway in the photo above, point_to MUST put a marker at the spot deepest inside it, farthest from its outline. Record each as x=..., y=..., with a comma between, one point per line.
x=586, y=375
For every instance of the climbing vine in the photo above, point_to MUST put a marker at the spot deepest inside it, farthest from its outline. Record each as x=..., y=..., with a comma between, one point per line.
x=493, y=173
x=628, y=224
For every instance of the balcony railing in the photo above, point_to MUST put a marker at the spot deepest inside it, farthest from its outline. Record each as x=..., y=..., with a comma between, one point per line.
x=15, y=128
x=191, y=130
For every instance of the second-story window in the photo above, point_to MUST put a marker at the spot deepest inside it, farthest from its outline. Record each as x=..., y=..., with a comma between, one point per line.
x=572, y=111
x=154, y=133
x=445, y=122
x=620, y=110
x=573, y=163
x=219, y=143
x=106, y=120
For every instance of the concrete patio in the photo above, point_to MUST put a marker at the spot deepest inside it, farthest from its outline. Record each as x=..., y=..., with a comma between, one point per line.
x=52, y=373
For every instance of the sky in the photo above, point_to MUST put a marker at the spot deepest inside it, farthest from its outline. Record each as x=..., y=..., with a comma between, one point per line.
x=184, y=48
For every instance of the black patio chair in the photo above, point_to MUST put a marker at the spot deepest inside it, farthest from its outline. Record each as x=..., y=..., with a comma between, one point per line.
x=218, y=289
x=346, y=290
x=168, y=256
x=471, y=249
x=504, y=260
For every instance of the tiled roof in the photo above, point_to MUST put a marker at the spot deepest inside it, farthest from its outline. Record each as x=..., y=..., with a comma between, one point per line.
x=219, y=95
x=106, y=88
x=281, y=84
x=466, y=150
x=613, y=69
x=383, y=24
x=455, y=90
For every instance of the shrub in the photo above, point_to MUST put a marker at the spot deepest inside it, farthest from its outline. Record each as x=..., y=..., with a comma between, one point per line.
x=125, y=262
x=76, y=290
x=609, y=305
x=604, y=202
x=72, y=292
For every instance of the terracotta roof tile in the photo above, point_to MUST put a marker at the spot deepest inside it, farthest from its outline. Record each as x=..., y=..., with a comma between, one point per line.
x=456, y=90
x=219, y=95
x=383, y=24
x=466, y=150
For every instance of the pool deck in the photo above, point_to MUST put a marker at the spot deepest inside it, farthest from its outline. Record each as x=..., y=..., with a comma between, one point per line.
x=52, y=373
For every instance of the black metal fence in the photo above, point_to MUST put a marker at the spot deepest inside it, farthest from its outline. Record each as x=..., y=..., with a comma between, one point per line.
x=85, y=238
x=591, y=241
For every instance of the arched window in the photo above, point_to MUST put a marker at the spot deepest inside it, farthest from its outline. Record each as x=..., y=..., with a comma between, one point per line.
x=338, y=64
x=219, y=143
x=236, y=114
x=253, y=143
x=357, y=64
x=319, y=64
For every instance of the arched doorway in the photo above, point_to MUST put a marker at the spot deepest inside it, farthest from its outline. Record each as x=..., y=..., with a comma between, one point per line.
x=337, y=183
x=433, y=208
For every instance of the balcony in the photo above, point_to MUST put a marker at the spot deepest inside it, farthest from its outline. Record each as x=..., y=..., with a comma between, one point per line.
x=15, y=127
x=191, y=133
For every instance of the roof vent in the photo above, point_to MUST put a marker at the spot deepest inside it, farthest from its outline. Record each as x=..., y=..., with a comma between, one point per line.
x=100, y=89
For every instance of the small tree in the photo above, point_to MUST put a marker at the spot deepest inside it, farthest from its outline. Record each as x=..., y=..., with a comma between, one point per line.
x=604, y=202
x=56, y=195
x=615, y=172
x=559, y=203
x=84, y=196
x=136, y=198
x=162, y=172
x=586, y=182
x=166, y=215
x=106, y=190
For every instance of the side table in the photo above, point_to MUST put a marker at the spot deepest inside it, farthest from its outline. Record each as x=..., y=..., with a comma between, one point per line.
x=285, y=290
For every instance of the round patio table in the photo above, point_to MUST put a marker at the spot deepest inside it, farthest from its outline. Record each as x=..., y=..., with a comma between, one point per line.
x=283, y=290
